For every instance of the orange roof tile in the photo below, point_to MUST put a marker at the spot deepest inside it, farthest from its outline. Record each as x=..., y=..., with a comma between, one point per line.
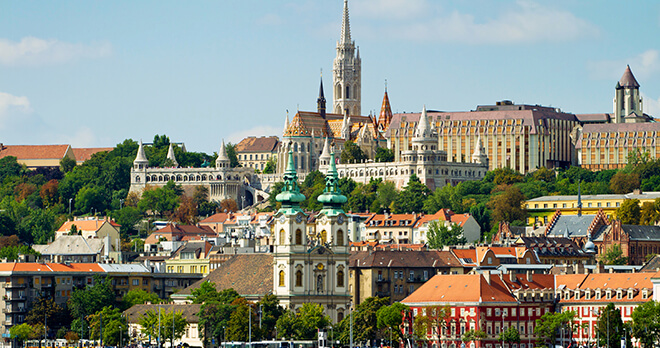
x=612, y=281
x=84, y=153
x=444, y=288
x=26, y=152
x=216, y=218
x=86, y=225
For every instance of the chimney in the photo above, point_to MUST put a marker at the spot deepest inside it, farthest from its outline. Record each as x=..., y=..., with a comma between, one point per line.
x=512, y=276
x=529, y=276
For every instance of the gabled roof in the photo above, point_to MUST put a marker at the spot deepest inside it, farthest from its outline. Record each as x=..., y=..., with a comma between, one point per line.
x=87, y=225
x=28, y=152
x=216, y=218
x=452, y=288
x=539, y=282
x=571, y=226
x=248, y=274
x=410, y=259
x=392, y=220
x=180, y=232
x=72, y=245
x=258, y=144
x=605, y=281
x=84, y=153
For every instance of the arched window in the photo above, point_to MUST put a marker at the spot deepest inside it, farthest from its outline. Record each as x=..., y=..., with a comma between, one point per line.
x=340, y=315
x=299, y=278
x=281, y=278
x=338, y=91
x=348, y=92
x=299, y=237
x=137, y=179
x=282, y=234
x=340, y=279
x=324, y=236
x=340, y=238
x=295, y=147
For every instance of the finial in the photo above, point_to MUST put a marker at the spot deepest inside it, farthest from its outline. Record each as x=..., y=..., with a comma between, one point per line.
x=385, y=85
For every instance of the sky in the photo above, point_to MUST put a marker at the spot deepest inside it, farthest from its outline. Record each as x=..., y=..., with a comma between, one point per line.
x=93, y=73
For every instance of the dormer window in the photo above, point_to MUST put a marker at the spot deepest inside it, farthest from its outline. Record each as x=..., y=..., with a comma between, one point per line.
x=630, y=294
x=608, y=295
x=645, y=294
x=587, y=295
x=577, y=294
x=619, y=294
x=597, y=294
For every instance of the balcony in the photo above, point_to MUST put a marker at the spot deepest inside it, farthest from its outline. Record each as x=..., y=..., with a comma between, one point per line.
x=15, y=298
x=382, y=294
x=13, y=285
x=416, y=279
x=382, y=280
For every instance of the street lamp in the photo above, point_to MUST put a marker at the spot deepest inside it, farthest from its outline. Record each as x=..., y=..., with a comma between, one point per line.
x=70, y=199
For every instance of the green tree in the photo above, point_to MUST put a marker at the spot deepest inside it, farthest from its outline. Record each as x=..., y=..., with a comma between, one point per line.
x=304, y=324
x=239, y=321
x=128, y=217
x=646, y=323
x=26, y=331
x=11, y=252
x=507, y=206
x=430, y=317
x=648, y=214
x=629, y=212
x=440, y=235
x=386, y=194
x=160, y=201
x=411, y=198
x=206, y=292
x=384, y=154
x=610, y=325
x=67, y=164
x=473, y=336
x=365, y=321
x=624, y=182
x=149, y=322
x=9, y=166
x=271, y=311
x=231, y=153
x=271, y=166
x=511, y=335
x=613, y=256
x=352, y=153
x=549, y=324
x=92, y=298
x=113, y=323
x=138, y=296
x=390, y=318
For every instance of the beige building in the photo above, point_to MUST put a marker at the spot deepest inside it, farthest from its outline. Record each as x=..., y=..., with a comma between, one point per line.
x=192, y=337
x=93, y=228
x=520, y=137
x=38, y=156
x=192, y=257
x=255, y=152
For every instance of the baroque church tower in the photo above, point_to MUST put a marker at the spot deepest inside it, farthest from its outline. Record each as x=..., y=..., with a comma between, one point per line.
x=347, y=72
x=310, y=261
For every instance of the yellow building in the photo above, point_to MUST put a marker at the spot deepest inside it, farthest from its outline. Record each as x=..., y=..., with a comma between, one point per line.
x=254, y=152
x=191, y=257
x=541, y=208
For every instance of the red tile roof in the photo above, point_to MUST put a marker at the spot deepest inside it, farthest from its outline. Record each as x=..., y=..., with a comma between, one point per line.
x=86, y=225
x=605, y=281
x=216, y=218
x=261, y=144
x=446, y=289
x=27, y=152
x=84, y=153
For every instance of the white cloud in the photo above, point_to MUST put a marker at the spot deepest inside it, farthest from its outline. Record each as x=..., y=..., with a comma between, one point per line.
x=255, y=131
x=11, y=107
x=523, y=23
x=83, y=137
x=390, y=9
x=36, y=51
x=651, y=106
x=643, y=66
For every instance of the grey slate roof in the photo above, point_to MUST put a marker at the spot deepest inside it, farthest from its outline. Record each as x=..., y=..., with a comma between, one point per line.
x=650, y=233
x=71, y=245
x=571, y=226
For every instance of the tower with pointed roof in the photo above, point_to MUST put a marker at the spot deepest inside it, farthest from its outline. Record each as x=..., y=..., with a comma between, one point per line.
x=310, y=262
x=627, y=100
x=479, y=154
x=385, y=116
x=223, y=160
x=171, y=157
x=347, y=72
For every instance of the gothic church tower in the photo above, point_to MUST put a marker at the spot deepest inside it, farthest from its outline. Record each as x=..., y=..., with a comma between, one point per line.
x=627, y=100
x=347, y=72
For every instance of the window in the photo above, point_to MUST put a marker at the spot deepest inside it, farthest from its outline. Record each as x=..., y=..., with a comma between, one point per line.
x=411, y=275
x=136, y=282
x=299, y=278
x=282, y=234
x=340, y=279
x=299, y=237
x=426, y=275
x=490, y=260
x=340, y=238
x=281, y=278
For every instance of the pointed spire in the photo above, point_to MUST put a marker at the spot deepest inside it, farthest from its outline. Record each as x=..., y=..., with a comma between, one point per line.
x=346, y=127
x=325, y=154
x=331, y=197
x=170, y=155
x=286, y=122
x=320, y=102
x=478, y=146
x=628, y=79
x=423, y=127
x=290, y=197
x=141, y=157
x=345, y=26
x=385, y=116
x=223, y=160
x=579, y=200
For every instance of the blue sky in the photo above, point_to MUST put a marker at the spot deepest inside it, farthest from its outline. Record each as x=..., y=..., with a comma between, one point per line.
x=93, y=73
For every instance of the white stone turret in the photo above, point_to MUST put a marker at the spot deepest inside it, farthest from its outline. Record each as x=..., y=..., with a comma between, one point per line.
x=479, y=155
x=171, y=157
x=325, y=155
x=286, y=122
x=141, y=161
x=223, y=160
x=346, y=127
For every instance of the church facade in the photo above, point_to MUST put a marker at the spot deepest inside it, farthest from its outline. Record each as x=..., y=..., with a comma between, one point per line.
x=310, y=259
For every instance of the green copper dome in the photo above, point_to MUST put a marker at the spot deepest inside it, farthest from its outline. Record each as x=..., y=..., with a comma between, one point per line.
x=290, y=197
x=331, y=197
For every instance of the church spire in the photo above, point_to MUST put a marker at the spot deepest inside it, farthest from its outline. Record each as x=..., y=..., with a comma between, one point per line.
x=171, y=157
x=345, y=26
x=320, y=102
x=290, y=197
x=385, y=116
x=286, y=122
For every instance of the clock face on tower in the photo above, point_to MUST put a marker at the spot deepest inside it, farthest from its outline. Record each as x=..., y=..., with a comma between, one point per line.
x=299, y=218
x=282, y=219
x=340, y=219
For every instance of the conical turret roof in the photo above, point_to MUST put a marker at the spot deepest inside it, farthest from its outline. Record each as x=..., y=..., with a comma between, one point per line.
x=628, y=79
x=222, y=155
x=170, y=155
x=326, y=149
x=423, y=130
x=140, y=157
x=385, y=116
